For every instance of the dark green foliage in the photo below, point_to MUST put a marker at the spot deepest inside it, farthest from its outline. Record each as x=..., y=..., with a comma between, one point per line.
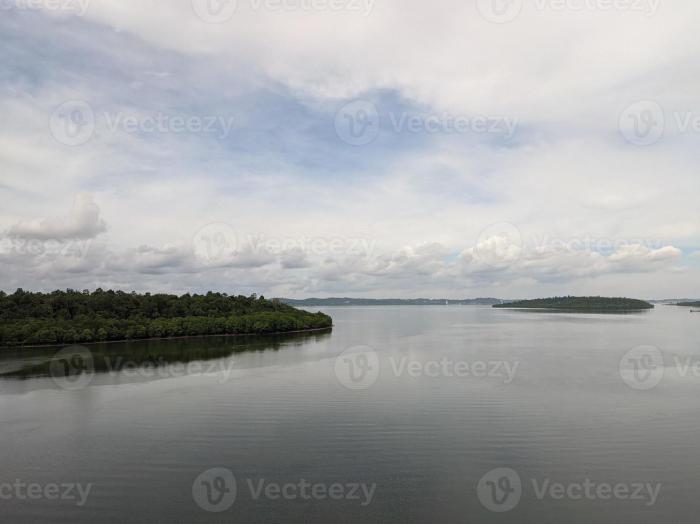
x=689, y=304
x=68, y=317
x=579, y=303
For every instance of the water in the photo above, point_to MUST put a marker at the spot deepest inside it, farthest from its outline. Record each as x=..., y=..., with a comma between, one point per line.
x=409, y=428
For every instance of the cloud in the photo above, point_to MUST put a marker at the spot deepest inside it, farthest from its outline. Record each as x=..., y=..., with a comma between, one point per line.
x=402, y=215
x=83, y=222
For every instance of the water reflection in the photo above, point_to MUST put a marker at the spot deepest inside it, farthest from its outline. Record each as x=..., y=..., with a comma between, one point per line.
x=153, y=355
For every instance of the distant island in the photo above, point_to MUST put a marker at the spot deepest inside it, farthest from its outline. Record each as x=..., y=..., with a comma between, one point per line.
x=391, y=301
x=71, y=317
x=689, y=304
x=579, y=304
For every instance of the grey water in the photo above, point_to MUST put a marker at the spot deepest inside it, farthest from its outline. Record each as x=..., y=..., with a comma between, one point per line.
x=399, y=414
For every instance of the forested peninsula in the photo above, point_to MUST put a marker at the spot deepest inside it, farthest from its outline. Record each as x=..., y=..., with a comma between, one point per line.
x=70, y=317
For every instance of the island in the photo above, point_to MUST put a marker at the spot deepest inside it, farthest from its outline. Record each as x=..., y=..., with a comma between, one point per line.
x=579, y=304
x=76, y=317
x=689, y=304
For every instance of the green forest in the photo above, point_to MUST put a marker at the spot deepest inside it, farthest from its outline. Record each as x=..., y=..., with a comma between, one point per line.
x=69, y=317
x=579, y=303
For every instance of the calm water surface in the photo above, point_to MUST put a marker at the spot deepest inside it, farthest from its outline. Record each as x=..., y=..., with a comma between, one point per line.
x=450, y=394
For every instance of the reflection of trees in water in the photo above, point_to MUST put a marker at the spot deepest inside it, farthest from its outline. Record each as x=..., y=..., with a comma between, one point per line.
x=113, y=357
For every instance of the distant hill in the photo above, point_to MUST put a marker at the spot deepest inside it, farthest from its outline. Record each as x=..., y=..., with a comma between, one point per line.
x=579, y=303
x=390, y=301
x=689, y=304
x=674, y=301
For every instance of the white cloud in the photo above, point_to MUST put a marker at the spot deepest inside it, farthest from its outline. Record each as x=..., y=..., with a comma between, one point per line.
x=83, y=222
x=420, y=201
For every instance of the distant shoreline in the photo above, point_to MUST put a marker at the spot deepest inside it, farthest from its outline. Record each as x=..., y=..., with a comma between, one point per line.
x=345, y=301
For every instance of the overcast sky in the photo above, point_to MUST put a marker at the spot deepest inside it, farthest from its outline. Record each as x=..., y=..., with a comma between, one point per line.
x=369, y=148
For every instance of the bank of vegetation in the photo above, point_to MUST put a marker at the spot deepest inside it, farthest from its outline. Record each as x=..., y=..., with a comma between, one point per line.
x=72, y=317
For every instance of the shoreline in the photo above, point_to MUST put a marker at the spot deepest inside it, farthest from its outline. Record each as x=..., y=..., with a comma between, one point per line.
x=121, y=341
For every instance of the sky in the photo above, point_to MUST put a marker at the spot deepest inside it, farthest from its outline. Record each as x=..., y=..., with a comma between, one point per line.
x=364, y=148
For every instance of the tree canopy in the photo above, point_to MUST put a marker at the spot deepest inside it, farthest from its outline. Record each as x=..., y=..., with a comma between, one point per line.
x=579, y=303
x=68, y=317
